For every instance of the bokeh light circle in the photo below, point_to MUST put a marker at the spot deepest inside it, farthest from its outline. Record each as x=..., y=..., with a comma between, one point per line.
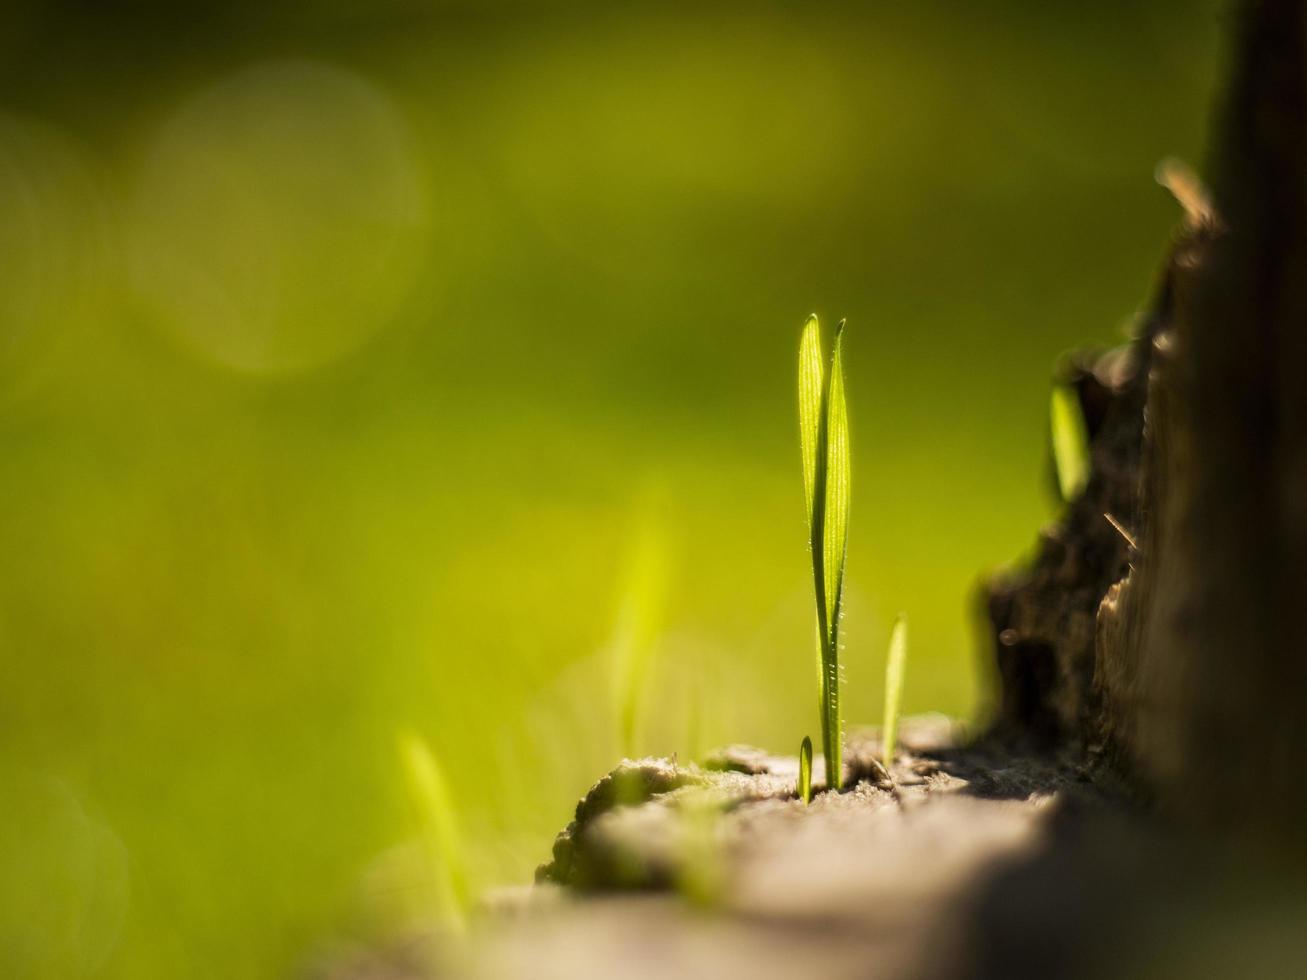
x=280, y=217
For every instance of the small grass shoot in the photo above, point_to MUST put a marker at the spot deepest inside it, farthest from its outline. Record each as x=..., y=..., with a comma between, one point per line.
x=824, y=443
x=894, y=664
x=805, y=770
x=429, y=794
x=1070, y=441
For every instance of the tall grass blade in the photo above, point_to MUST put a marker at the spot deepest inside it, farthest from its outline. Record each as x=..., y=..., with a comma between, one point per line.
x=429, y=794
x=894, y=665
x=805, y=770
x=835, y=532
x=1070, y=441
x=701, y=876
x=641, y=601
x=824, y=439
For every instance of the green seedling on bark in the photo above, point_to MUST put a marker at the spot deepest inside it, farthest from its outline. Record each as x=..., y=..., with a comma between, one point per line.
x=1070, y=441
x=824, y=442
x=898, y=656
x=805, y=770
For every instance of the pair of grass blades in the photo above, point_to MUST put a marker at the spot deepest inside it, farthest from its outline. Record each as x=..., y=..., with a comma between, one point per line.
x=824, y=445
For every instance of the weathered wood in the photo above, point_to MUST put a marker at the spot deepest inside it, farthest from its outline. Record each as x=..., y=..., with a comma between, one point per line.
x=1198, y=655
x=1202, y=657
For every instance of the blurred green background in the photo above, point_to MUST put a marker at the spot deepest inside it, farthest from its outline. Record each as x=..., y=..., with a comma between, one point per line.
x=368, y=368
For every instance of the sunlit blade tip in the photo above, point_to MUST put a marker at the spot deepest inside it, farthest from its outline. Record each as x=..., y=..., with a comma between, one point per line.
x=1188, y=190
x=811, y=385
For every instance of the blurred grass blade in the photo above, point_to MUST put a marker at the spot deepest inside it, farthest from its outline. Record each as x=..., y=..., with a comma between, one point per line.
x=641, y=601
x=898, y=656
x=430, y=796
x=1070, y=441
x=811, y=386
x=701, y=877
x=805, y=770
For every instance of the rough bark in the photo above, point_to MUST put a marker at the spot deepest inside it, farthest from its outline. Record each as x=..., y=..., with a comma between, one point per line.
x=1212, y=649
x=1196, y=658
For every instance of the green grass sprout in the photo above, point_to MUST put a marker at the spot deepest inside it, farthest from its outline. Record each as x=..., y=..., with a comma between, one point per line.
x=805, y=770
x=1070, y=441
x=429, y=794
x=824, y=444
x=898, y=656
